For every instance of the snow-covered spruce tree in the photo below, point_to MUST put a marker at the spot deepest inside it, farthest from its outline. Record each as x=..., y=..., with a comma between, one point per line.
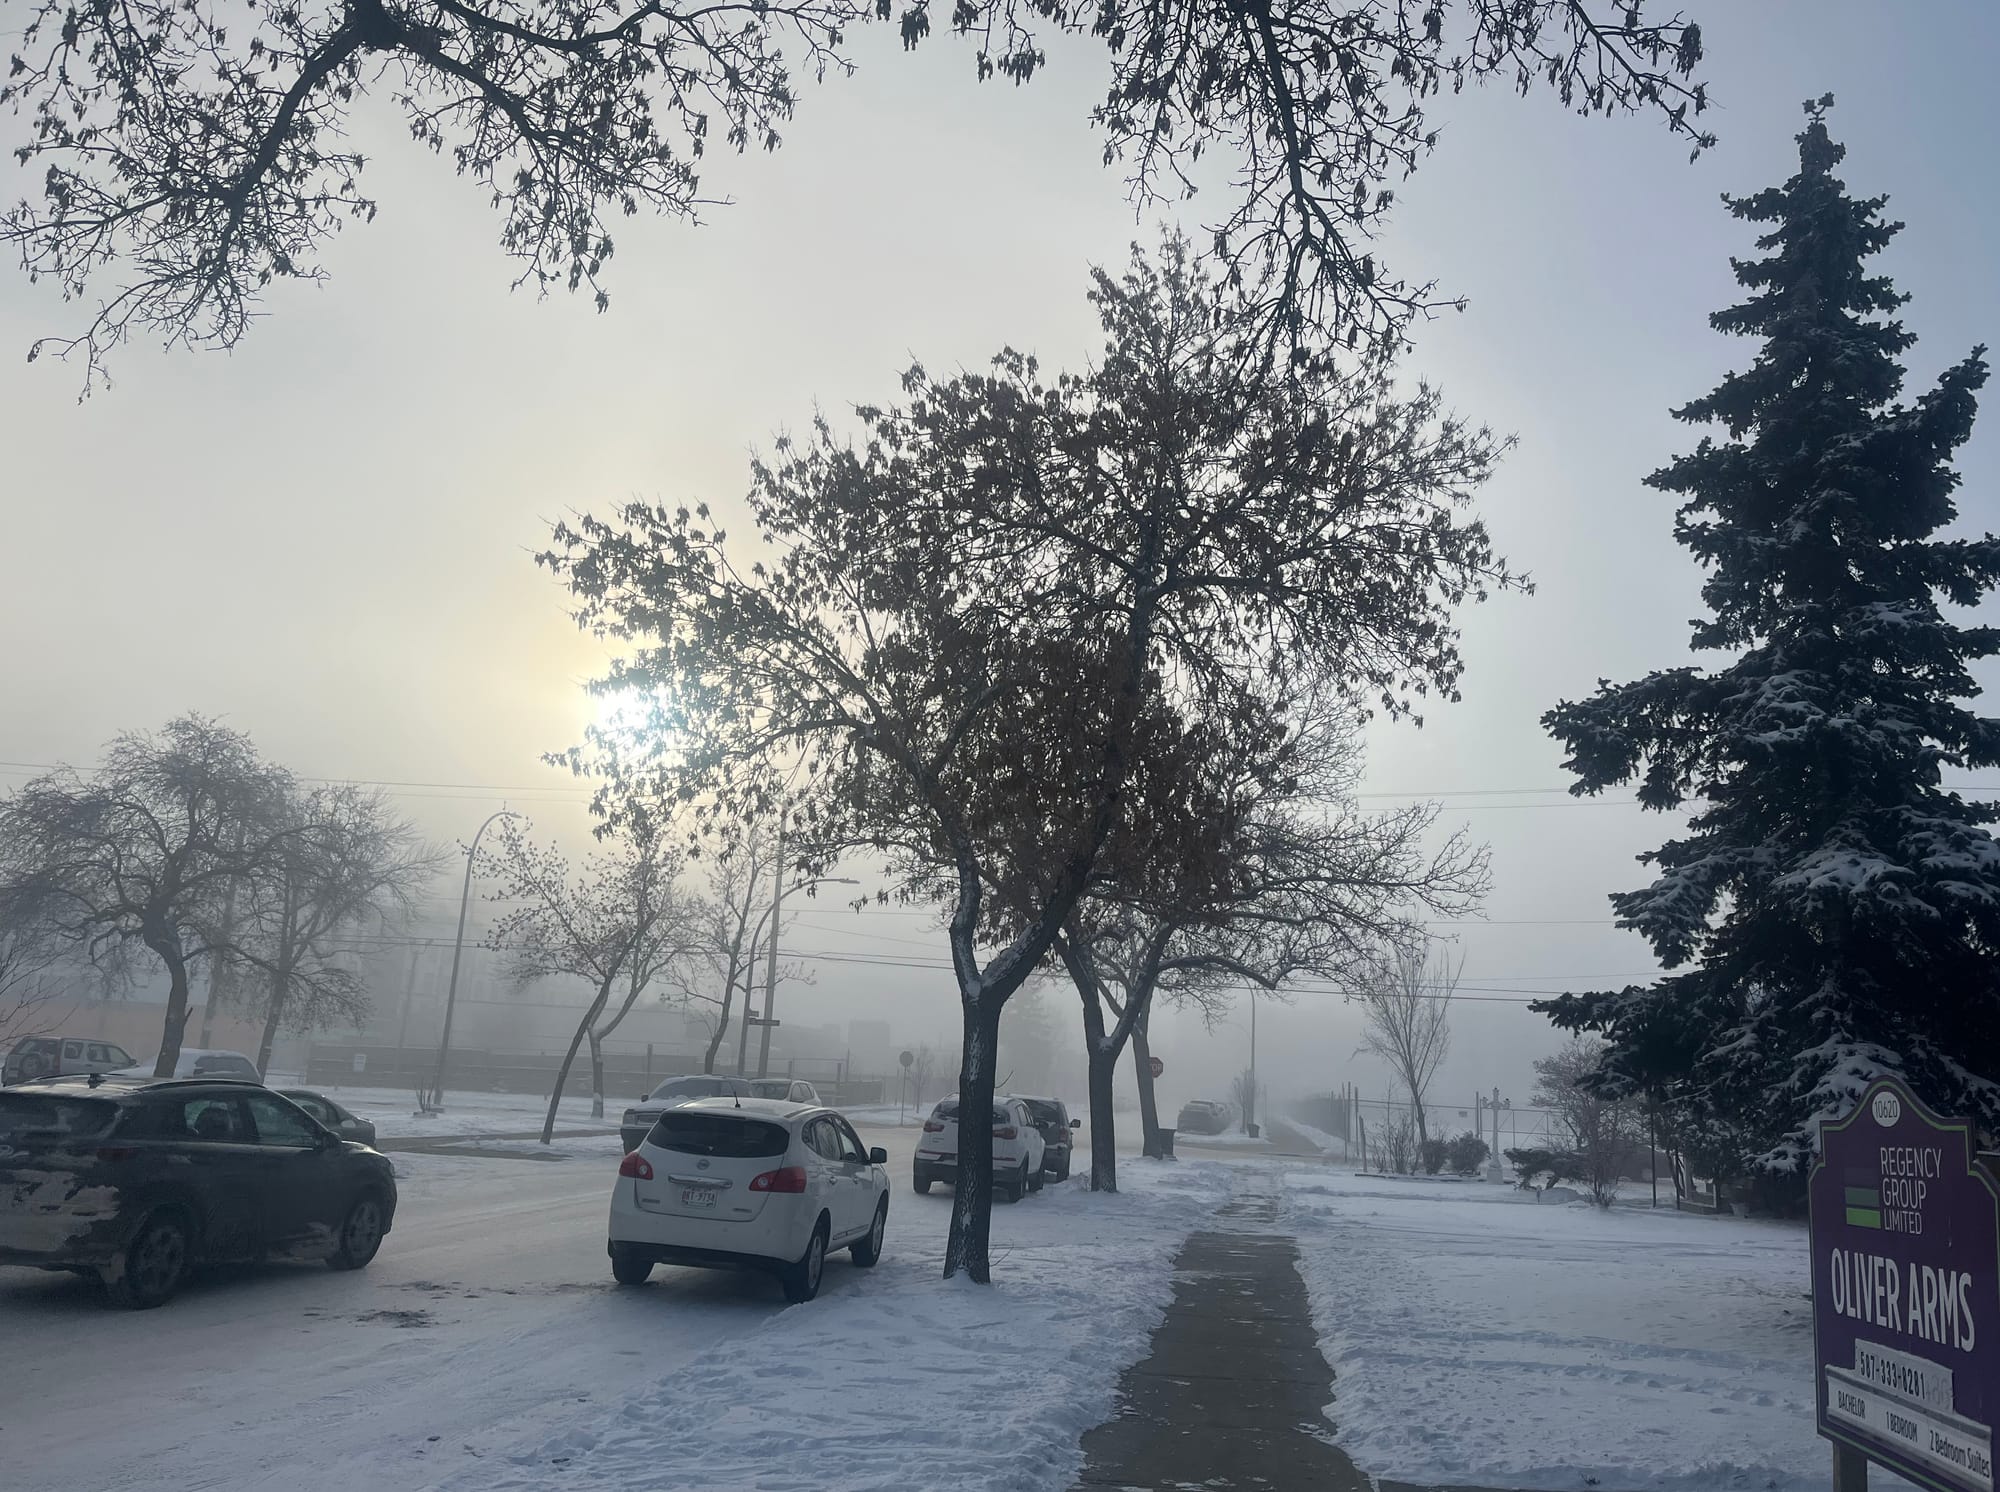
x=1832, y=912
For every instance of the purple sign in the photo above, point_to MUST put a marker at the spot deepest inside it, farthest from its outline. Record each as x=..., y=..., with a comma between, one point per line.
x=1906, y=1292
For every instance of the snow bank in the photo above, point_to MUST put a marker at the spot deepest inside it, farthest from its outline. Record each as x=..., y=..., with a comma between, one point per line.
x=1478, y=1335
x=897, y=1378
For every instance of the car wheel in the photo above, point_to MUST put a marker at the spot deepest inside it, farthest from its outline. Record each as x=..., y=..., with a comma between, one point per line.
x=921, y=1185
x=628, y=1265
x=801, y=1280
x=1019, y=1184
x=1035, y=1181
x=360, y=1235
x=869, y=1249
x=153, y=1265
x=32, y=1067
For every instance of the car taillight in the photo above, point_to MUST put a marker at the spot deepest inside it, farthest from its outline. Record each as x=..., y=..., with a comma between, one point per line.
x=636, y=1166
x=784, y=1179
x=1004, y=1132
x=933, y=1126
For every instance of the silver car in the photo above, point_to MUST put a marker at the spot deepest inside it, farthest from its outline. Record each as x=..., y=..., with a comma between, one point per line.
x=635, y=1123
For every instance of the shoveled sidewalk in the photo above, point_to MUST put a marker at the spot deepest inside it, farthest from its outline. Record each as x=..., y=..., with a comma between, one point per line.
x=1233, y=1391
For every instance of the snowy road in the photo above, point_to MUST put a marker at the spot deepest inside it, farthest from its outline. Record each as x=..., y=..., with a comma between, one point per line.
x=490, y=1315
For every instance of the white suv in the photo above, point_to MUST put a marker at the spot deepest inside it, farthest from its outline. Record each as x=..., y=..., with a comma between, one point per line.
x=748, y=1183
x=1018, y=1149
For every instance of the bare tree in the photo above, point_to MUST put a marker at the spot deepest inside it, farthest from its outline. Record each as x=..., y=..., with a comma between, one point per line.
x=141, y=850
x=923, y=1063
x=1406, y=1009
x=192, y=153
x=966, y=615
x=352, y=860
x=31, y=953
x=1265, y=875
x=1600, y=1137
x=619, y=923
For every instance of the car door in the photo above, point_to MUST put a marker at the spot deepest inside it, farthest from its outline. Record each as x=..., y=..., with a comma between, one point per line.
x=858, y=1174
x=303, y=1202
x=226, y=1172
x=823, y=1145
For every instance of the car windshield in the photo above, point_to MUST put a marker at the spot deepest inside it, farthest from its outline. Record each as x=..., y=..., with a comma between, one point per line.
x=702, y=1133
x=691, y=1088
x=48, y=1115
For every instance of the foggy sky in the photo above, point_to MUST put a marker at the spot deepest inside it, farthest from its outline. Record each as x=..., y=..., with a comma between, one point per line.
x=324, y=537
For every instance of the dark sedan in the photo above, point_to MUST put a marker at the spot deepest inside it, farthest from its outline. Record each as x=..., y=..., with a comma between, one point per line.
x=139, y=1181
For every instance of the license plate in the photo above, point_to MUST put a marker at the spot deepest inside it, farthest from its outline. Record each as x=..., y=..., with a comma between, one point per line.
x=698, y=1196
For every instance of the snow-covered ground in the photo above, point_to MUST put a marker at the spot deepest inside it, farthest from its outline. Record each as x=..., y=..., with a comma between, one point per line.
x=394, y=1113
x=899, y=1378
x=1479, y=1336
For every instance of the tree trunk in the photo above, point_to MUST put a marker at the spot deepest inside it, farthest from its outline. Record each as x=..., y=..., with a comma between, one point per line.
x=562, y=1073
x=596, y=1075
x=972, y=1198
x=1103, y=1118
x=281, y=992
x=722, y=1020
x=281, y=984
x=1142, y=1069
x=1423, y=1134
x=167, y=946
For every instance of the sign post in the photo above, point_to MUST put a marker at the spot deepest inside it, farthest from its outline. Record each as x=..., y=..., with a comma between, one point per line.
x=1906, y=1296
x=903, y=1060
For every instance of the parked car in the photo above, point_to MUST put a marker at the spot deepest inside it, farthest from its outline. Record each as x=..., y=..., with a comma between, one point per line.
x=138, y=1181
x=332, y=1115
x=202, y=1062
x=752, y=1183
x=785, y=1090
x=1051, y=1118
x=1018, y=1149
x=1205, y=1116
x=635, y=1122
x=51, y=1056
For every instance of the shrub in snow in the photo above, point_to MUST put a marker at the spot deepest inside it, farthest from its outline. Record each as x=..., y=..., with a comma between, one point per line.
x=1466, y=1153
x=1432, y=1154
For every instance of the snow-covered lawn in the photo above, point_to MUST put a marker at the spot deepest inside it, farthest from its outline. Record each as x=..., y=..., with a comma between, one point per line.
x=895, y=1378
x=394, y=1114
x=1479, y=1336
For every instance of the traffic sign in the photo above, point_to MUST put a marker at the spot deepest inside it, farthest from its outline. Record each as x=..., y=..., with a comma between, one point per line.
x=1906, y=1292
x=1156, y=1065
x=907, y=1058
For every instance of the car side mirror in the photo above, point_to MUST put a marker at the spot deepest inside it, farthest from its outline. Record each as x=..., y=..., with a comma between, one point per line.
x=1076, y=1124
x=878, y=1157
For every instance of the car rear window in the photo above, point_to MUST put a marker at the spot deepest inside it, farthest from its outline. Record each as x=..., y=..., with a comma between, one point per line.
x=719, y=1134
x=26, y=1116
x=1043, y=1113
x=690, y=1088
x=948, y=1109
x=224, y=1067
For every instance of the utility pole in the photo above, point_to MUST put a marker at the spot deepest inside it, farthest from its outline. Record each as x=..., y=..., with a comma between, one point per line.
x=409, y=997
x=457, y=948
x=771, y=968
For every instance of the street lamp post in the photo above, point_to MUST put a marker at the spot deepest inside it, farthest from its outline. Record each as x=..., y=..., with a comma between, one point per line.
x=458, y=947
